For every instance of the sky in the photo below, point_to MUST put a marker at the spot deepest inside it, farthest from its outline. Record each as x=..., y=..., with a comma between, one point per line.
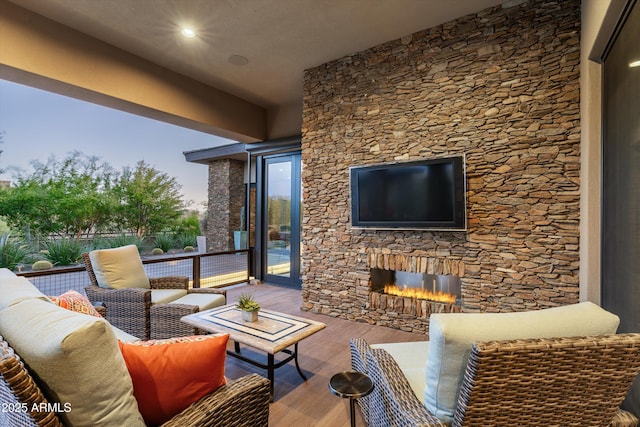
x=39, y=124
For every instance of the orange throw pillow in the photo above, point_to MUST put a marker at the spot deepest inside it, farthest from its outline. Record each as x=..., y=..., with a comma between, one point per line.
x=169, y=375
x=75, y=301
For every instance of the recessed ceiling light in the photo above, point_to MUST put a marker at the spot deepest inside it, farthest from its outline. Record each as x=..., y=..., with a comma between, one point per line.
x=634, y=64
x=188, y=33
x=238, y=60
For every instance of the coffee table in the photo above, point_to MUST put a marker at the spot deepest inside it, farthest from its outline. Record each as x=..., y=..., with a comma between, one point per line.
x=274, y=332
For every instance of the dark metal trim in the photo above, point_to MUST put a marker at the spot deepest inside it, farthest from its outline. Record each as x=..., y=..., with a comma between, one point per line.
x=275, y=146
x=206, y=155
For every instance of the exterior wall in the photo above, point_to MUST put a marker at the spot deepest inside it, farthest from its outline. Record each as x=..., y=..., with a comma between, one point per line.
x=226, y=199
x=500, y=86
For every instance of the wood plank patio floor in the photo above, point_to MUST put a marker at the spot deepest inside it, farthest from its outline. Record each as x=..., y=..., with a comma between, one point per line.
x=310, y=403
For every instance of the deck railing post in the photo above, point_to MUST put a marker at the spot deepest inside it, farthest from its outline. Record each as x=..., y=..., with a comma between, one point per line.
x=196, y=271
x=249, y=263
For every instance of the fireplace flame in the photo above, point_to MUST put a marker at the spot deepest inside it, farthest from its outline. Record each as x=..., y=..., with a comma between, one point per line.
x=405, y=291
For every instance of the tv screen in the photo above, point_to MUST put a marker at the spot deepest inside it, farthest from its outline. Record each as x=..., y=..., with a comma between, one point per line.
x=425, y=194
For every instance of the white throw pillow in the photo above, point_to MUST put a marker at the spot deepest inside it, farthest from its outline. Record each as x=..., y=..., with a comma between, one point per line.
x=119, y=268
x=452, y=335
x=77, y=359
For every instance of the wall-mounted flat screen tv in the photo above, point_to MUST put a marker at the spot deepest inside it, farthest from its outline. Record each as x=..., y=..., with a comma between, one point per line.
x=426, y=194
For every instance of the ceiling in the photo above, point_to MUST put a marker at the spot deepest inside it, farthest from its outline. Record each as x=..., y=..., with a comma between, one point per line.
x=279, y=38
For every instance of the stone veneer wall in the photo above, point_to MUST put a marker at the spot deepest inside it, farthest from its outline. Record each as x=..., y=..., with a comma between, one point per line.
x=501, y=86
x=226, y=199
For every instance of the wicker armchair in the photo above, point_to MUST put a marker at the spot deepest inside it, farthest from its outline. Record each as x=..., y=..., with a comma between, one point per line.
x=535, y=382
x=243, y=402
x=131, y=309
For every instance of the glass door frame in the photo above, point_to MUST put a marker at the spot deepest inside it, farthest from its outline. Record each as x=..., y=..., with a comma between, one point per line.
x=262, y=229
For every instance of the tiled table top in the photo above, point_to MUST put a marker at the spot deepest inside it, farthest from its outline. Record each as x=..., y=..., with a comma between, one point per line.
x=273, y=332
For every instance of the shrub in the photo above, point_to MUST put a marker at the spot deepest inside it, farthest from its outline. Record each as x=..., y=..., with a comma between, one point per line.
x=157, y=251
x=189, y=225
x=183, y=240
x=41, y=265
x=64, y=251
x=98, y=242
x=124, y=240
x=12, y=252
x=164, y=241
x=4, y=227
x=33, y=257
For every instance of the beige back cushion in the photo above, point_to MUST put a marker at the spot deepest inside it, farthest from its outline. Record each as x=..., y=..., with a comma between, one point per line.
x=119, y=268
x=77, y=358
x=14, y=289
x=451, y=337
x=6, y=273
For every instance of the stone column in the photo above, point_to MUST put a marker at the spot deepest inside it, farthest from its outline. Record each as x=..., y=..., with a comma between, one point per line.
x=226, y=199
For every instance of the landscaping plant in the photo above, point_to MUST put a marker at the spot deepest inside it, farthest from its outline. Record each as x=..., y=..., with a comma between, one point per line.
x=64, y=251
x=12, y=252
x=183, y=240
x=124, y=240
x=164, y=241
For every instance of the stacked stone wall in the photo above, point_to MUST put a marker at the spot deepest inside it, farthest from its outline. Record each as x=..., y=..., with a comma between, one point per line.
x=500, y=87
x=226, y=199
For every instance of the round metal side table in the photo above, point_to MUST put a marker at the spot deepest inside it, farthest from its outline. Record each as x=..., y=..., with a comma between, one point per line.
x=353, y=385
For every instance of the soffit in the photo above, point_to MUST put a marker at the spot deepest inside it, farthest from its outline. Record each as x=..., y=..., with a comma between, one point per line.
x=280, y=38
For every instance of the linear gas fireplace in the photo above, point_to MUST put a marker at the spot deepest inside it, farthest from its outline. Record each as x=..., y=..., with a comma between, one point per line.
x=416, y=286
x=431, y=287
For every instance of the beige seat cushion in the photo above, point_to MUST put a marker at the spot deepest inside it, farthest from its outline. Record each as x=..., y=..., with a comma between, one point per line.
x=452, y=335
x=77, y=359
x=204, y=301
x=164, y=296
x=119, y=268
x=410, y=359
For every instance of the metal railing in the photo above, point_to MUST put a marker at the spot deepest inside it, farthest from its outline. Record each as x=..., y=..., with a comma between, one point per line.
x=215, y=269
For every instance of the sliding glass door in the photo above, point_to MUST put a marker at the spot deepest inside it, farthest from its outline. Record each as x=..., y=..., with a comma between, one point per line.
x=281, y=219
x=621, y=182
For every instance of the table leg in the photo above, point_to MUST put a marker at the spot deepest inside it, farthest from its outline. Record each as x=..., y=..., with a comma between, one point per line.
x=270, y=373
x=352, y=411
x=236, y=346
x=295, y=350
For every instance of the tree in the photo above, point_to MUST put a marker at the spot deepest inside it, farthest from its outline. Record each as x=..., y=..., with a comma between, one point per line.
x=28, y=205
x=148, y=200
x=188, y=223
x=81, y=195
x=68, y=197
x=81, y=185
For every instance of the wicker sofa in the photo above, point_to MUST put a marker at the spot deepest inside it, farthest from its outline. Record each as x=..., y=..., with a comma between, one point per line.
x=63, y=368
x=541, y=379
